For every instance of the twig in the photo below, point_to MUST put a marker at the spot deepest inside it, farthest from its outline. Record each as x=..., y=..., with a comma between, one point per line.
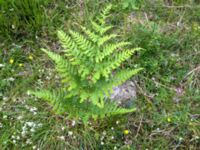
x=139, y=126
x=149, y=98
x=181, y=18
x=81, y=3
x=160, y=84
x=189, y=73
x=184, y=6
x=145, y=14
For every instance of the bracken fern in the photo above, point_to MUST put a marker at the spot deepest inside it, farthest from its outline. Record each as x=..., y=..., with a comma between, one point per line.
x=89, y=71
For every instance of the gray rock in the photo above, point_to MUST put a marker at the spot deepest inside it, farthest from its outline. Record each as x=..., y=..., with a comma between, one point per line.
x=124, y=94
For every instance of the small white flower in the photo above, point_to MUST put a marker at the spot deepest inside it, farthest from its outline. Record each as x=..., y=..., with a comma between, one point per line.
x=48, y=78
x=11, y=9
x=1, y=125
x=13, y=26
x=112, y=128
x=5, y=98
x=5, y=117
x=33, y=109
x=112, y=137
x=119, y=102
x=180, y=138
x=14, y=141
x=32, y=130
x=2, y=65
x=28, y=93
x=102, y=143
x=73, y=123
x=40, y=125
x=63, y=128
x=104, y=132
x=102, y=138
x=24, y=128
x=28, y=141
x=34, y=147
x=18, y=137
x=23, y=133
x=5, y=142
x=115, y=148
x=13, y=137
x=70, y=133
x=19, y=117
x=61, y=137
x=31, y=124
x=117, y=122
x=27, y=107
x=173, y=55
x=11, y=79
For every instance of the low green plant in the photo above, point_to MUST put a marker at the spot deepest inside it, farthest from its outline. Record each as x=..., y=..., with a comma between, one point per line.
x=15, y=74
x=89, y=71
x=131, y=4
x=18, y=18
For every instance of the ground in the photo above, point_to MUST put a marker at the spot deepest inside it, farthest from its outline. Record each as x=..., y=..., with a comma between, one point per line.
x=168, y=114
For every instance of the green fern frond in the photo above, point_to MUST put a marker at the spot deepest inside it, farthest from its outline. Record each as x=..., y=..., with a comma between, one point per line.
x=87, y=71
x=92, y=36
x=103, y=16
x=105, y=39
x=93, y=96
x=66, y=41
x=88, y=110
x=113, y=109
x=70, y=47
x=105, y=29
x=77, y=110
x=123, y=75
x=109, y=49
x=83, y=44
x=107, y=9
x=67, y=72
x=99, y=29
x=109, y=65
x=96, y=27
x=105, y=88
x=55, y=98
x=119, y=58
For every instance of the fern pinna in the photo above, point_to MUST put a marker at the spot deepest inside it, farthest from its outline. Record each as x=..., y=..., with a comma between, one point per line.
x=87, y=71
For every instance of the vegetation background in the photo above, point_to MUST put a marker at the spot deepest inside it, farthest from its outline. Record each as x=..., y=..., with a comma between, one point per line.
x=168, y=100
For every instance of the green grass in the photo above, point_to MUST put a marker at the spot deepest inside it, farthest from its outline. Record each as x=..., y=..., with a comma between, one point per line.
x=168, y=114
x=19, y=17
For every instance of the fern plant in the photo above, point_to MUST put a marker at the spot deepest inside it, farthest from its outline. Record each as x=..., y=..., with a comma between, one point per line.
x=89, y=70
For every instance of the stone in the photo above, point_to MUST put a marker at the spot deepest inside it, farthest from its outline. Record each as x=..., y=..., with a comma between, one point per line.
x=124, y=94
